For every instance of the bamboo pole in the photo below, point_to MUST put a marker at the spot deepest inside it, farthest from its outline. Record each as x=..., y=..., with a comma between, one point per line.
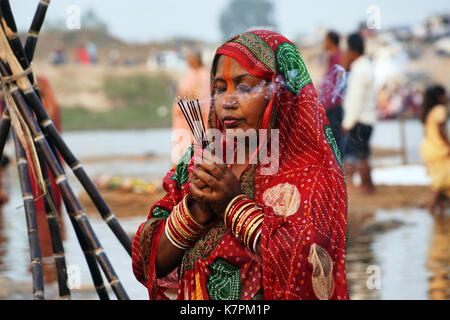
x=35, y=28
x=30, y=213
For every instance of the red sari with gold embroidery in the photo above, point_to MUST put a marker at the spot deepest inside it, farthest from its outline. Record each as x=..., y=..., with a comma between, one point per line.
x=305, y=201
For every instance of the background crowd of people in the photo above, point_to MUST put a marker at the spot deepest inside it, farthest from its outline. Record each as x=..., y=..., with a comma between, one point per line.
x=348, y=95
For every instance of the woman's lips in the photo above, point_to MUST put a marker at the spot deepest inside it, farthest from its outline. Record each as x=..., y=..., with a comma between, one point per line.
x=230, y=122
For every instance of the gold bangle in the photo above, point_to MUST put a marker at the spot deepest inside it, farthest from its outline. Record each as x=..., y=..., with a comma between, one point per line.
x=179, y=228
x=250, y=233
x=171, y=238
x=252, y=229
x=231, y=203
x=237, y=214
x=249, y=226
x=174, y=238
x=182, y=219
x=245, y=219
x=189, y=214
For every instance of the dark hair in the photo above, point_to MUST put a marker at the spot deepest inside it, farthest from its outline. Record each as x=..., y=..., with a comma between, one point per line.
x=431, y=98
x=214, y=64
x=356, y=43
x=334, y=37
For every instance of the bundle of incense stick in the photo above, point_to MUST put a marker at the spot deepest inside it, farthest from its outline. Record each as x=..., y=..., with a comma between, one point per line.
x=193, y=114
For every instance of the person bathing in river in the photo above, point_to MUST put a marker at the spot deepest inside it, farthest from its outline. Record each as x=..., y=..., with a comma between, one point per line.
x=234, y=231
x=435, y=149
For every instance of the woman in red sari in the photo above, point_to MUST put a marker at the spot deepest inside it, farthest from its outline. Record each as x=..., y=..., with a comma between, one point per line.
x=235, y=232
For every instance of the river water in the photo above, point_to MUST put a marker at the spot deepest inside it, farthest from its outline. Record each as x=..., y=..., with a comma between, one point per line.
x=398, y=254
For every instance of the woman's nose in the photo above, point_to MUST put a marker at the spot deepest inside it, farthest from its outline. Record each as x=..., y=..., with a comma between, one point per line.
x=229, y=101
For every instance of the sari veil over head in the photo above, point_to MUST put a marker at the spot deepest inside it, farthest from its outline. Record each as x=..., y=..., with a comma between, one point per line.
x=303, y=235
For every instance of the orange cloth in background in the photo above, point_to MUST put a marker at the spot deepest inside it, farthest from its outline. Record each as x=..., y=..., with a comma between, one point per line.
x=49, y=101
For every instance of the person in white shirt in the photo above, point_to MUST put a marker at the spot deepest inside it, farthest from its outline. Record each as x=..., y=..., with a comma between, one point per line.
x=359, y=112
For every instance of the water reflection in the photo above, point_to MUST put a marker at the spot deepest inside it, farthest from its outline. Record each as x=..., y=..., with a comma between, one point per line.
x=401, y=253
x=439, y=260
x=409, y=247
x=359, y=256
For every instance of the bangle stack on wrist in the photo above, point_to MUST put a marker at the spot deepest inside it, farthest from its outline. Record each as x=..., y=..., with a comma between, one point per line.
x=244, y=218
x=181, y=228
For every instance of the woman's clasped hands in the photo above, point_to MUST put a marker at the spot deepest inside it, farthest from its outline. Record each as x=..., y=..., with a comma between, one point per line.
x=213, y=184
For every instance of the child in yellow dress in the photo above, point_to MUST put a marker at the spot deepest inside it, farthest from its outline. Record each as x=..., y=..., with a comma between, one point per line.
x=435, y=149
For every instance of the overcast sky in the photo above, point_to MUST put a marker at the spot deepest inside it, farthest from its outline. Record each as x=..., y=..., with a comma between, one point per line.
x=143, y=20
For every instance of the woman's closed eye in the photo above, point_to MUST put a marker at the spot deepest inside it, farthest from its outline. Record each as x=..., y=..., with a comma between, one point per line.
x=244, y=88
x=220, y=90
x=219, y=87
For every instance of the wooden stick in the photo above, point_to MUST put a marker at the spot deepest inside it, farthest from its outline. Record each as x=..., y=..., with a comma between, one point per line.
x=30, y=213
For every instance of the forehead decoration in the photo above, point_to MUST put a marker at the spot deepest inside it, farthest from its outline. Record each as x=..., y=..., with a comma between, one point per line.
x=267, y=59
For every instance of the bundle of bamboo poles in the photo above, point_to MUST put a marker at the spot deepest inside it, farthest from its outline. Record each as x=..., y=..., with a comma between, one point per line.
x=37, y=141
